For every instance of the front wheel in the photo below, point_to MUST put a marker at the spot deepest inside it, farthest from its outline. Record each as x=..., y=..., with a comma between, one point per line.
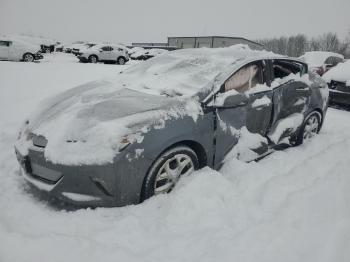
x=167, y=170
x=309, y=129
x=28, y=57
x=93, y=59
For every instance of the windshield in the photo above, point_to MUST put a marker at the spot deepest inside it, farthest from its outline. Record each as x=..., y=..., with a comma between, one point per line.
x=183, y=72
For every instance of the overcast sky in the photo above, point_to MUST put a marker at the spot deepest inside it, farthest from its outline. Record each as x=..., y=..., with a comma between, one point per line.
x=153, y=20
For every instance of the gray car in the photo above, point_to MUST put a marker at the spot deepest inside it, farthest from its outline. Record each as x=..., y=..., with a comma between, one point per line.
x=120, y=141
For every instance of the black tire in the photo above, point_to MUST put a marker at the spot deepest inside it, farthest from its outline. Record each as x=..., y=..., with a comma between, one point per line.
x=149, y=184
x=121, y=60
x=28, y=57
x=300, y=137
x=93, y=59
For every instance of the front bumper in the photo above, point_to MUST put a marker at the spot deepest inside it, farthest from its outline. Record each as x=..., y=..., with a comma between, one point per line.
x=339, y=93
x=339, y=97
x=38, y=56
x=83, y=59
x=86, y=185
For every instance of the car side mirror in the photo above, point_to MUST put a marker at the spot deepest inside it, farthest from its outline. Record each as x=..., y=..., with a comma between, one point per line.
x=230, y=99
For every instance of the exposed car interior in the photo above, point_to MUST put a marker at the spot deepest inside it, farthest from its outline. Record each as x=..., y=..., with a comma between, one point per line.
x=283, y=68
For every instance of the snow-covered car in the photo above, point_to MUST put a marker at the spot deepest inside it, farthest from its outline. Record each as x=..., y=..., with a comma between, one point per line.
x=120, y=141
x=338, y=79
x=81, y=48
x=69, y=47
x=321, y=61
x=105, y=53
x=144, y=54
x=15, y=50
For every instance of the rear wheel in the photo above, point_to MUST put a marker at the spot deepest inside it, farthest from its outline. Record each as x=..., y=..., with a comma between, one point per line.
x=93, y=59
x=121, y=61
x=309, y=129
x=168, y=169
x=28, y=57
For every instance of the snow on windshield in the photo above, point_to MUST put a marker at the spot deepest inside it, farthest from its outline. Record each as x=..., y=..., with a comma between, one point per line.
x=183, y=72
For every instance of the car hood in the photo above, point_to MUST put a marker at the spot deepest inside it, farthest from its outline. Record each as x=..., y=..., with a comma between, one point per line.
x=85, y=125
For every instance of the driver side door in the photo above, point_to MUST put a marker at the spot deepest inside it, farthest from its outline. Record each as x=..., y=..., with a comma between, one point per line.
x=243, y=112
x=105, y=53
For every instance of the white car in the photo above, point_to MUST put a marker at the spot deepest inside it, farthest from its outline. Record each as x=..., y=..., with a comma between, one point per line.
x=338, y=79
x=105, y=53
x=15, y=50
x=78, y=49
x=320, y=61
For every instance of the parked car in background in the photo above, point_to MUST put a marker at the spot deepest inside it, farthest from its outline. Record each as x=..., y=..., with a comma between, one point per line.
x=320, y=61
x=338, y=79
x=15, y=50
x=144, y=54
x=59, y=47
x=105, y=53
x=81, y=48
x=120, y=141
x=68, y=48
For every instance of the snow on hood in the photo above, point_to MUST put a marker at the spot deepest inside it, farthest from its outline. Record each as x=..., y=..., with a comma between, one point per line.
x=317, y=58
x=340, y=73
x=86, y=125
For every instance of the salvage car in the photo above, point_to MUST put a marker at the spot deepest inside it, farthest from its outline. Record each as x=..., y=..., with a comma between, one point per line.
x=321, y=61
x=120, y=141
x=105, y=53
x=338, y=79
x=15, y=50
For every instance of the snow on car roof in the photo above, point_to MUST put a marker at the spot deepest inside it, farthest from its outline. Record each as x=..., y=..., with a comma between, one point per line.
x=317, y=58
x=340, y=73
x=184, y=72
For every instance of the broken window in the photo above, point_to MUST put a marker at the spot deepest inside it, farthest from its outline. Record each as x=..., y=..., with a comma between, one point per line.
x=245, y=78
x=283, y=68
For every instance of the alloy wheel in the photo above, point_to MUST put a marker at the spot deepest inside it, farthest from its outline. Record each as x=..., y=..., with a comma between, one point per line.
x=171, y=171
x=311, y=127
x=28, y=58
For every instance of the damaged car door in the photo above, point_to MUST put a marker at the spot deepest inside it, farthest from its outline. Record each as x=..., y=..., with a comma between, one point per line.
x=243, y=107
x=291, y=98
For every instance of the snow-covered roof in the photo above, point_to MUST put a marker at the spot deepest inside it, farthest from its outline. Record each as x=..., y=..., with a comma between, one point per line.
x=317, y=58
x=341, y=73
x=184, y=72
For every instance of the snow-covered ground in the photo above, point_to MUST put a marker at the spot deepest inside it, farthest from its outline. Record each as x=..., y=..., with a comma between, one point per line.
x=294, y=205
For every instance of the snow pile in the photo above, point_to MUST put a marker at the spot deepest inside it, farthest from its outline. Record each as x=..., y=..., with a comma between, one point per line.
x=244, y=149
x=340, y=73
x=264, y=101
x=317, y=58
x=290, y=124
x=291, y=206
